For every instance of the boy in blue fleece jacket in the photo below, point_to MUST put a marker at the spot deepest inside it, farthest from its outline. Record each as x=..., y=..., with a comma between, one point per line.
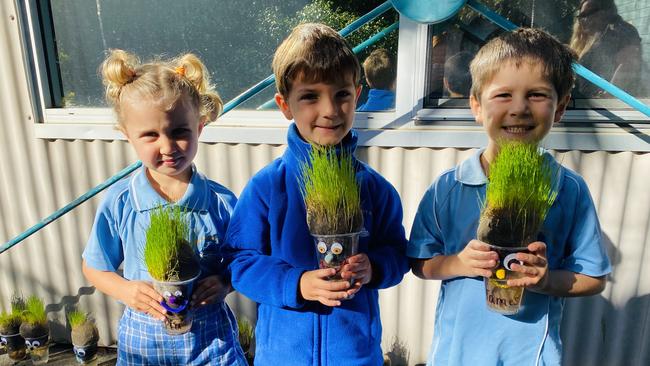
x=303, y=318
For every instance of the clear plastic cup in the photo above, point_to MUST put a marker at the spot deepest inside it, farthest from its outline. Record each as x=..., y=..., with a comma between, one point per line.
x=15, y=346
x=500, y=297
x=39, y=349
x=85, y=354
x=176, y=300
x=334, y=250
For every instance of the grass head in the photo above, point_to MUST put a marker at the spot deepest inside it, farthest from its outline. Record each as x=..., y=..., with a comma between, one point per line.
x=331, y=191
x=34, y=312
x=167, y=241
x=520, y=188
x=77, y=318
x=245, y=332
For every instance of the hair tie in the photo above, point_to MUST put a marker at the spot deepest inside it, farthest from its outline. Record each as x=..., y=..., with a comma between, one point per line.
x=131, y=74
x=180, y=70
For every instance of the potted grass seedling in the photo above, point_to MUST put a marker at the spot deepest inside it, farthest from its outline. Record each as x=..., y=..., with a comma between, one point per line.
x=519, y=194
x=84, y=336
x=35, y=330
x=172, y=262
x=10, y=337
x=333, y=203
x=246, y=334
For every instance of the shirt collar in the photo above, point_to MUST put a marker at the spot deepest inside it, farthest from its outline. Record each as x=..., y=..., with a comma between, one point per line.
x=144, y=197
x=470, y=171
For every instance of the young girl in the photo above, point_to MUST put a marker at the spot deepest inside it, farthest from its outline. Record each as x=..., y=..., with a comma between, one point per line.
x=161, y=109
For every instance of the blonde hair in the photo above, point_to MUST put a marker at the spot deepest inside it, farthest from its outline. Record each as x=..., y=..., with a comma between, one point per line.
x=314, y=52
x=525, y=45
x=164, y=82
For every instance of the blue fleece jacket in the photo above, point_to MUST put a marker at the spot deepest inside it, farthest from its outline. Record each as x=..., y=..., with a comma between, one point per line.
x=269, y=247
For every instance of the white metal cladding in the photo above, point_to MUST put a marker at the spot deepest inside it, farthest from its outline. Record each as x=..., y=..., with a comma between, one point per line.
x=39, y=176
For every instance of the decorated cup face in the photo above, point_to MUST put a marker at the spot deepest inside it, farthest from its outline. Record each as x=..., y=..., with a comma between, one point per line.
x=334, y=250
x=499, y=296
x=38, y=349
x=15, y=346
x=86, y=353
x=176, y=300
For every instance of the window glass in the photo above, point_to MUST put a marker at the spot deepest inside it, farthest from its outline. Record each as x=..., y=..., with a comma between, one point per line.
x=610, y=37
x=235, y=39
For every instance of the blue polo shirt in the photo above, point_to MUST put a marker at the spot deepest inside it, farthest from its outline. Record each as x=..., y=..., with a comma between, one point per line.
x=118, y=233
x=378, y=100
x=465, y=331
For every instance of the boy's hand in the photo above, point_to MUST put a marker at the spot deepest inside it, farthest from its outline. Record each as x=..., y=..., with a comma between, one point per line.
x=141, y=296
x=314, y=286
x=478, y=259
x=535, y=268
x=211, y=289
x=359, y=269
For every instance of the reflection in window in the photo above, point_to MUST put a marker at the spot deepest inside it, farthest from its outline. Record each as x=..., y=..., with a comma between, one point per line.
x=380, y=71
x=605, y=36
x=236, y=39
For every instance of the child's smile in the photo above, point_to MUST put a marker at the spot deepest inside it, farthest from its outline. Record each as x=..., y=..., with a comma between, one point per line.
x=518, y=103
x=323, y=112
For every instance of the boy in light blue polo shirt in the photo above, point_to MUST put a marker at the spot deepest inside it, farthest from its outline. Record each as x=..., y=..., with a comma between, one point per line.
x=520, y=86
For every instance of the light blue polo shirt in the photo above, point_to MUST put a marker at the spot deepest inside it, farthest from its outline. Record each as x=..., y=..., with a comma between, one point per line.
x=465, y=331
x=118, y=233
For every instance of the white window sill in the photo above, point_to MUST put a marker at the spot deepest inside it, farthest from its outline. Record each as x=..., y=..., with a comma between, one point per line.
x=455, y=130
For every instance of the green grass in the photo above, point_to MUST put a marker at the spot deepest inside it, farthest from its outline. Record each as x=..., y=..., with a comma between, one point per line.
x=166, y=239
x=245, y=332
x=10, y=320
x=77, y=318
x=35, y=311
x=331, y=192
x=520, y=186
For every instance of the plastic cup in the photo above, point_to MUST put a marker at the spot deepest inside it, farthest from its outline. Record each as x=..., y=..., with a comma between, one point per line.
x=176, y=300
x=500, y=297
x=85, y=354
x=39, y=349
x=334, y=250
x=15, y=346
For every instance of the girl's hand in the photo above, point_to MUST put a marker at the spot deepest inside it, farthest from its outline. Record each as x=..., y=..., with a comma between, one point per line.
x=359, y=269
x=535, y=268
x=211, y=289
x=141, y=296
x=314, y=286
x=478, y=259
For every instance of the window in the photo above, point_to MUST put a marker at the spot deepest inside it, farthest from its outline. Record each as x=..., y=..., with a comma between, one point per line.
x=66, y=40
x=609, y=36
x=236, y=39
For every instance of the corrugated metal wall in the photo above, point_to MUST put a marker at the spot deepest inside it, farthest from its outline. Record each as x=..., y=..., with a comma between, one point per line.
x=38, y=176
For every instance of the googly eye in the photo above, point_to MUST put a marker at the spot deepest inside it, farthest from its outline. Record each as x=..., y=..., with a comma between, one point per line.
x=322, y=247
x=337, y=248
x=3, y=341
x=511, y=259
x=81, y=352
x=36, y=344
x=167, y=294
x=178, y=293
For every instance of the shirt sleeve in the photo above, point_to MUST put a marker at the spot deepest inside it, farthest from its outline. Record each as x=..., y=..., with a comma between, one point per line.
x=254, y=272
x=104, y=249
x=426, y=238
x=586, y=253
x=387, y=249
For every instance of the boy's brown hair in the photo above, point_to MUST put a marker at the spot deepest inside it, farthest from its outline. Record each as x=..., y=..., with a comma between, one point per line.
x=380, y=69
x=525, y=45
x=316, y=53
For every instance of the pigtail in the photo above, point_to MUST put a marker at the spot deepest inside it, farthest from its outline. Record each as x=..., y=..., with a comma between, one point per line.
x=196, y=73
x=117, y=71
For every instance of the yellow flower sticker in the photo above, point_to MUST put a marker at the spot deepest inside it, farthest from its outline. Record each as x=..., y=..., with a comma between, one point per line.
x=500, y=273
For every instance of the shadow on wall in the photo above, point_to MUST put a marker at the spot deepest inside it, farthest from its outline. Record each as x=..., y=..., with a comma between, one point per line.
x=56, y=313
x=596, y=332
